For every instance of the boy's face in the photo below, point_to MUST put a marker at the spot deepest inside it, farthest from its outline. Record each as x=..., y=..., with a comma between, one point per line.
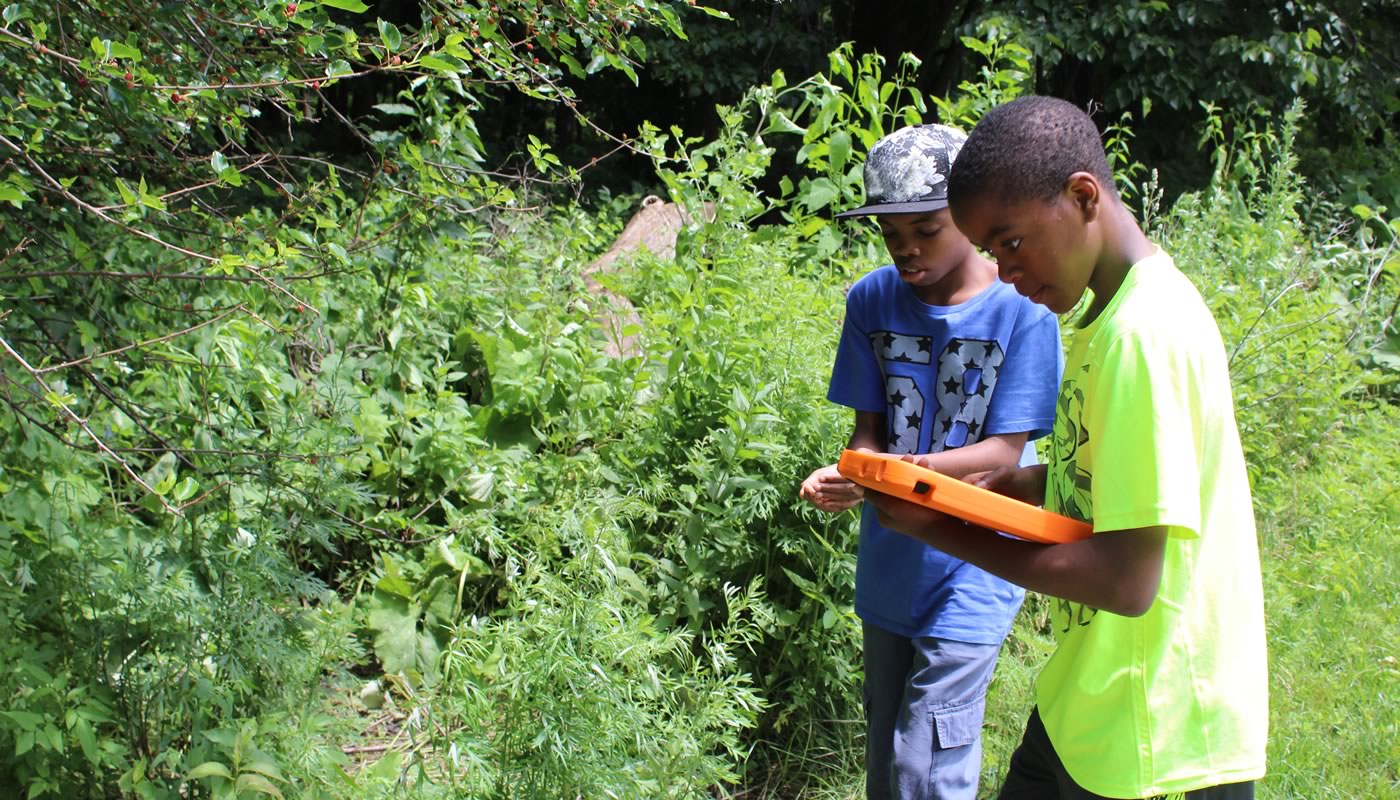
x=925, y=247
x=1044, y=248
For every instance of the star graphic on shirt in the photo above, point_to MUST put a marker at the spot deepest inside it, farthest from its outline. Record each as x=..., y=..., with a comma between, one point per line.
x=972, y=428
x=914, y=420
x=898, y=398
x=889, y=340
x=904, y=357
x=947, y=425
x=970, y=364
x=926, y=344
x=981, y=389
x=991, y=348
x=951, y=386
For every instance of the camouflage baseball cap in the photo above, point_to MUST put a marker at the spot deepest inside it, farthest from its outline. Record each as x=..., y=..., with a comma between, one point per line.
x=907, y=171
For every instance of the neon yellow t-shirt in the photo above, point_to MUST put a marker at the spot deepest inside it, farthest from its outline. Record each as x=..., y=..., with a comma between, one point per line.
x=1145, y=435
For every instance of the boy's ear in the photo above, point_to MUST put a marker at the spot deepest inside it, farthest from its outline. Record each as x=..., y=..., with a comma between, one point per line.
x=1086, y=194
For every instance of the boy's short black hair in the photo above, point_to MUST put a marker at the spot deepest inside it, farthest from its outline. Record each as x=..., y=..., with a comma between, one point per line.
x=1025, y=150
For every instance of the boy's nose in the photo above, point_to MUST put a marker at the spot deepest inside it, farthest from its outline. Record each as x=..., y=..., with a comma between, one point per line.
x=1008, y=273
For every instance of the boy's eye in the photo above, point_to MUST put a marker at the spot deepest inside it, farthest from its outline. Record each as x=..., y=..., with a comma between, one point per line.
x=1012, y=245
x=929, y=234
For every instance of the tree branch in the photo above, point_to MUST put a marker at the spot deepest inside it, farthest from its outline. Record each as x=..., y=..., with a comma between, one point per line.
x=53, y=397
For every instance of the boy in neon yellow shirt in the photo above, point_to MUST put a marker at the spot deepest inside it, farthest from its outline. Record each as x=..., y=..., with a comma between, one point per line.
x=1158, y=684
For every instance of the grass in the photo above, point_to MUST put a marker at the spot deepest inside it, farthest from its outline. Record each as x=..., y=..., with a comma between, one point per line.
x=1330, y=581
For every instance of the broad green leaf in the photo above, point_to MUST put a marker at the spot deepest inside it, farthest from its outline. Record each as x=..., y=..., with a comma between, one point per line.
x=162, y=474
x=395, y=109
x=128, y=196
x=390, y=35
x=87, y=740
x=840, y=144
x=394, y=621
x=185, y=489
x=782, y=123
x=575, y=68
x=253, y=782
x=263, y=766
x=346, y=5
x=479, y=486
x=9, y=193
x=439, y=64
x=121, y=50
x=209, y=769
x=26, y=720
x=819, y=194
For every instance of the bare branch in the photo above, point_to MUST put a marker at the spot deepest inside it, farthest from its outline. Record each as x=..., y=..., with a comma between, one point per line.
x=54, y=398
x=79, y=202
x=156, y=340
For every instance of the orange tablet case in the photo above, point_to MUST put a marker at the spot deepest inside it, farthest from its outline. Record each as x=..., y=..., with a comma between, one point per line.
x=889, y=475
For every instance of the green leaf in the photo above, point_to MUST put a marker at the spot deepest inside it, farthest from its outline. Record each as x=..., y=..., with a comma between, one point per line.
x=128, y=196
x=479, y=486
x=572, y=63
x=394, y=622
x=346, y=5
x=147, y=199
x=395, y=109
x=161, y=477
x=13, y=14
x=263, y=766
x=120, y=50
x=438, y=64
x=185, y=489
x=819, y=194
x=87, y=739
x=27, y=721
x=783, y=124
x=9, y=193
x=338, y=68
x=209, y=769
x=840, y=145
x=390, y=35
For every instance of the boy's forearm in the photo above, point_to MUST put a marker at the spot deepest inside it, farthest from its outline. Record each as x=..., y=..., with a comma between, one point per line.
x=990, y=453
x=868, y=432
x=1116, y=571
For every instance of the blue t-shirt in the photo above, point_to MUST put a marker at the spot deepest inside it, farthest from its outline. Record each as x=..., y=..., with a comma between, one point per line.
x=944, y=377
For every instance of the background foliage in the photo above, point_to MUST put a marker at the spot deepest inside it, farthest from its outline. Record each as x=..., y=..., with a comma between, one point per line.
x=316, y=480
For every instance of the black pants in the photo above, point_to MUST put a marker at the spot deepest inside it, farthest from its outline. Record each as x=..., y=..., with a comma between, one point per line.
x=1036, y=773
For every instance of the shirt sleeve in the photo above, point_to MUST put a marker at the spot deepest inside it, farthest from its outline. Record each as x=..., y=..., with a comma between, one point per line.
x=1143, y=420
x=856, y=379
x=1029, y=379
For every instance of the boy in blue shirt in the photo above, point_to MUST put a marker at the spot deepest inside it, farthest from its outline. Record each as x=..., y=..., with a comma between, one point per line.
x=939, y=357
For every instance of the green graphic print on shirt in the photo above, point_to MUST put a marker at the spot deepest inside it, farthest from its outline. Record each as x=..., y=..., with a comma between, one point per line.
x=1070, y=490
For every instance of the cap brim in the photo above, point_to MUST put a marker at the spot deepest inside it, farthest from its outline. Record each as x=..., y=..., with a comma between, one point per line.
x=916, y=207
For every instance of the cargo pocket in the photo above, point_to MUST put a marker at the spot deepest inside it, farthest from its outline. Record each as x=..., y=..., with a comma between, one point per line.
x=960, y=725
